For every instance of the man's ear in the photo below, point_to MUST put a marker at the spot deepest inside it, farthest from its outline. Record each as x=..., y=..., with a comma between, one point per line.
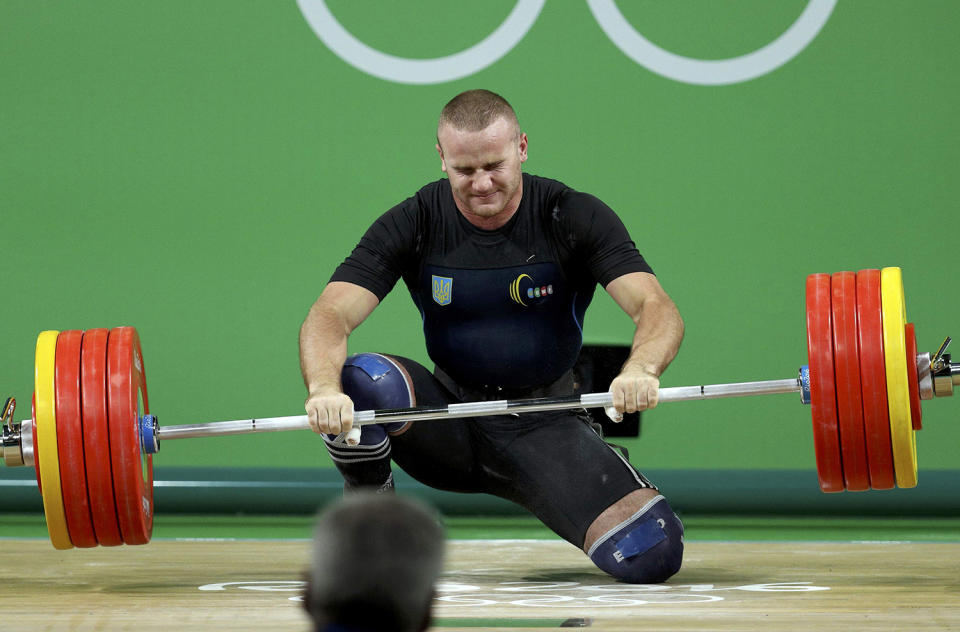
x=522, y=148
x=443, y=163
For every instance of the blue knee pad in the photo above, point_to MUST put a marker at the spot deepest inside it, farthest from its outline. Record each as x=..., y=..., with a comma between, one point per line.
x=374, y=381
x=646, y=549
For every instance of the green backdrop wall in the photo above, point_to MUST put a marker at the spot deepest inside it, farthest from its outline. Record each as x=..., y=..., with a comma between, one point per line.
x=198, y=169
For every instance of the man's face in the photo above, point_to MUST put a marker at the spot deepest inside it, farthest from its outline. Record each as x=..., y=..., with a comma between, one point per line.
x=484, y=170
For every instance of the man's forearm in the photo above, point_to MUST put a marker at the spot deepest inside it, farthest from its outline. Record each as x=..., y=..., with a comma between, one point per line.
x=323, y=336
x=657, y=337
x=323, y=348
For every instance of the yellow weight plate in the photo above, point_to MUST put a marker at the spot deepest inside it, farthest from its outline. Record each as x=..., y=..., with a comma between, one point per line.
x=46, y=440
x=902, y=435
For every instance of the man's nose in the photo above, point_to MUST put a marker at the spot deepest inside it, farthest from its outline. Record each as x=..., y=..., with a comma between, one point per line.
x=482, y=183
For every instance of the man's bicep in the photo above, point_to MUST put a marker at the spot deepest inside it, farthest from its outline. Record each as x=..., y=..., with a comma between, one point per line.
x=631, y=291
x=352, y=302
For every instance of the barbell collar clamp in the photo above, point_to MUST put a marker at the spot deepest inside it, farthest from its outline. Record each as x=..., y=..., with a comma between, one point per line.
x=6, y=415
x=941, y=359
x=803, y=379
x=10, y=445
x=10, y=442
x=149, y=434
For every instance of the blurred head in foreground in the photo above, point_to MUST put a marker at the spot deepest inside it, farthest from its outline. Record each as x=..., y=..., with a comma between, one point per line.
x=376, y=559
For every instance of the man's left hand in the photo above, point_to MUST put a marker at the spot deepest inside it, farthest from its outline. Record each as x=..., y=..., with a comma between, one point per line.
x=633, y=390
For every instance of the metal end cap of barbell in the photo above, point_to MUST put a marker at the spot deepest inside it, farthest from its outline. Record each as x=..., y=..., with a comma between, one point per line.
x=946, y=375
x=944, y=382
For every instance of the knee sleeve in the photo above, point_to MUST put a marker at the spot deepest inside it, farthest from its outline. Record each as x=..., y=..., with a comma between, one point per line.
x=373, y=382
x=646, y=549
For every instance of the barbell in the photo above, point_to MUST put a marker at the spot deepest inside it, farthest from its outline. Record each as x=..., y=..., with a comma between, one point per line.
x=91, y=437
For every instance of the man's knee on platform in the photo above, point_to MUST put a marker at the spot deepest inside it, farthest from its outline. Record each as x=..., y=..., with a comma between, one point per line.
x=647, y=548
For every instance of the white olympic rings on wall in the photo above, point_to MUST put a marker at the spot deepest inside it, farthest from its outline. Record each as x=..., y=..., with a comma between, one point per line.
x=421, y=71
x=525, y=12
x=712, y=72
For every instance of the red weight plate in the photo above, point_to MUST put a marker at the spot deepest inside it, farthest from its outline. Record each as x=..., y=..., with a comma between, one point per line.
x=73, y=477
x=913, y=378
x=873, y=380
x=96, y=437
x=823, y=396
x=846, y=358
x=132, y=468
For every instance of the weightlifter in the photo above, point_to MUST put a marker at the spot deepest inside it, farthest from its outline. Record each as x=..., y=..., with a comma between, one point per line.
x=501, y=265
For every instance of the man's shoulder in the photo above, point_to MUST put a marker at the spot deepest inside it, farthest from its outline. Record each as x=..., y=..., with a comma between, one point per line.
x=543, y=194
x=560, y=199
x=430, y=198
x=434, y=187
x=558, y=193
x=542, y=184
x=434, y=194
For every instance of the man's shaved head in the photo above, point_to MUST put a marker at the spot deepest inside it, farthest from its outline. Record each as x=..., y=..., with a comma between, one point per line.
x=475, y=110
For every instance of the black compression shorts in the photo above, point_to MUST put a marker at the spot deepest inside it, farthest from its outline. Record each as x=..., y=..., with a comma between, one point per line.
x=552, y=463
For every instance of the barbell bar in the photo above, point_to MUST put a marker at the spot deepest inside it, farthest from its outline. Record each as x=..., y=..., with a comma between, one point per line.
x=475, y=409
x=865, y=381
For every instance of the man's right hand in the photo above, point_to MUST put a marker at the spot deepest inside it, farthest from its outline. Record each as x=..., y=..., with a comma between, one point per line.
x=329, y=412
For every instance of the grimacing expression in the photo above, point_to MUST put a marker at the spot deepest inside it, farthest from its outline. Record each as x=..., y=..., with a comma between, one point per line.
x=484, y=170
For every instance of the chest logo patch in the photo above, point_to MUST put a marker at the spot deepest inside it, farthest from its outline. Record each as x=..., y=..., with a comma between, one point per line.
x=531, y=290
x=442, y=289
